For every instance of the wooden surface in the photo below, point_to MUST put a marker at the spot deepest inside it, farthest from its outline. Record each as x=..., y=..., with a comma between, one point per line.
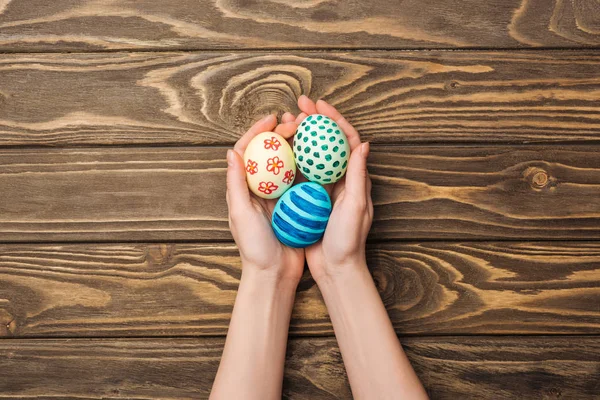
x=212, y=98
x=537, y=368
x=419, y=193
x=428, y=288
x=117, y=269
x=30, y=25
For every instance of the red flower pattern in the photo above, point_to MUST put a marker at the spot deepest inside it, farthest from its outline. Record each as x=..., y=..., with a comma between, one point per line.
x=274, y=165
x=272, y=143
x=252, y=167
x=289, y=176
x=267, y=187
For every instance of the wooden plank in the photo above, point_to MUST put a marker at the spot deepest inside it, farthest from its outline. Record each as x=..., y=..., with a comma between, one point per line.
x=485, y=368
x=189, y=289
x=209, y=24
x=211, y=98
x=165, y=194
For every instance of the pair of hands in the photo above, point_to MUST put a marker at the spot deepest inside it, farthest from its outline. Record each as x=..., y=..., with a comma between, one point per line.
x=343, y=245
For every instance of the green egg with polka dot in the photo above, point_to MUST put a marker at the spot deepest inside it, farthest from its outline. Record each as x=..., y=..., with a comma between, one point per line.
x=324, y=158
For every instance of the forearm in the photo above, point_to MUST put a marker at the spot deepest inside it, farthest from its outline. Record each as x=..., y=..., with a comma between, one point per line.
x=254, y=355
x=375, y=362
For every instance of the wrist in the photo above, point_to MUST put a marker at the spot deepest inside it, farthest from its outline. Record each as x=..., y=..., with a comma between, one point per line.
x=265, y=279
x=349, y=294
x=342, y=273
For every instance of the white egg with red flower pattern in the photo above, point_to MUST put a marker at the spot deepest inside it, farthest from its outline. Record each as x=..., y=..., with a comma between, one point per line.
x=270, y=165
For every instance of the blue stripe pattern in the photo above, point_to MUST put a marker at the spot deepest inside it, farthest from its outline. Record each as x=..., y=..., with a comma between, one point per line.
x=301, y=215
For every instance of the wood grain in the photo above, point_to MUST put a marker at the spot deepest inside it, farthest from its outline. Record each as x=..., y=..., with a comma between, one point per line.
x=165, y=194
x=485, y=368
x=211, y=98
x=31, y=25
x=189, y=289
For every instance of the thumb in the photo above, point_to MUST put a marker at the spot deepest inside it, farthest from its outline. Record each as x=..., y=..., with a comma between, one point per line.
x=357, y=174
x=238, y=194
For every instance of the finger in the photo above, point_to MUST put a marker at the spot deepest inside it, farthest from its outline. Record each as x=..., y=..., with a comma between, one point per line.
x=238, y=194
x=286, y=130
x=300, y=118
x=267, y=124
x=338, y=189
x=357, y=175
x=306, y=105
x=287, y=117
x=352, y=134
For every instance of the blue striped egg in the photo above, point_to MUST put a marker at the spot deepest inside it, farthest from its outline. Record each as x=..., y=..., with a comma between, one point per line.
x=301, y=214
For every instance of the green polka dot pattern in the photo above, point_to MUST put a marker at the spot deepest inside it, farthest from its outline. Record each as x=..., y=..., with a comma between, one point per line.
x=324, y=158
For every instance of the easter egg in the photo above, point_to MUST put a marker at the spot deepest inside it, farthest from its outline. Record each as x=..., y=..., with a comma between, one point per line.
x=301, y=215
x=321, y=149
x=270, y=165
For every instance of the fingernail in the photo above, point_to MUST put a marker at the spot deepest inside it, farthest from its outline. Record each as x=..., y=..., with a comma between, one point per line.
x=268, y=118
x=364, y=149
x=230, y=160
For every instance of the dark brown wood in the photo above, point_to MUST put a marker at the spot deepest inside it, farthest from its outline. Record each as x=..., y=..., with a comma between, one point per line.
x=212, y=98
x=28, y=25
x=165, y=194
x=487, y=192
x=123, y=304
x=508, y=367
x=189, y=289
x=450, y=367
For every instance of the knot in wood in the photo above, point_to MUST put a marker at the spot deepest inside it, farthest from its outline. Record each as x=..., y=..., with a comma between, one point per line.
x=9, y=329
x=538, y=178
x=452, y=85
x=159, y=254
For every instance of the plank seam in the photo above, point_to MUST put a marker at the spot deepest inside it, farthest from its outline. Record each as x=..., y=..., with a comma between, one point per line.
x=311, y=49
x=294, y=337
x=224, y=146
x=414, y=240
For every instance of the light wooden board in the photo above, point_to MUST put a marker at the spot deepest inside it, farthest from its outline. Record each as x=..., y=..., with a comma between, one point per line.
x=164, y=194
x=213, y=97
x=30, y=25
x=189, y=289
x=450, y=368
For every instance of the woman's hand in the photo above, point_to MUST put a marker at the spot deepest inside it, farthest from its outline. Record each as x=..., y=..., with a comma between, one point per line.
x=254, y=355
x=250, y=216
x=375, y=362
x=343, y=245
